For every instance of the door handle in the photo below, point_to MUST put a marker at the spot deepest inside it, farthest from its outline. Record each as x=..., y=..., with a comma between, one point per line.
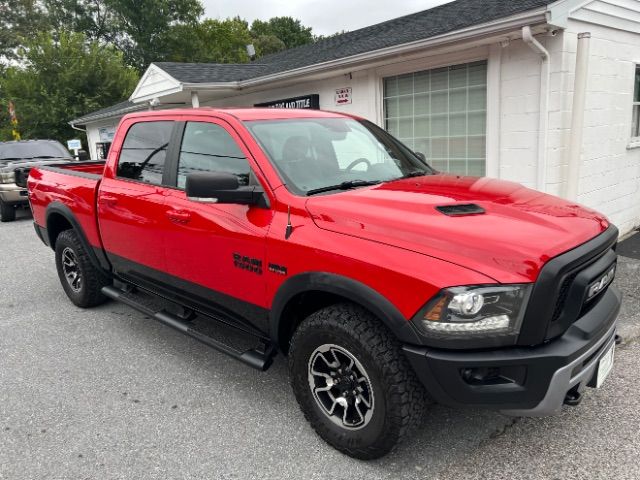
x=178, y=216
x=108, y=200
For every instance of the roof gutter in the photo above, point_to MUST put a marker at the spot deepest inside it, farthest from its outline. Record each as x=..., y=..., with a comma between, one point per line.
x=545, y=79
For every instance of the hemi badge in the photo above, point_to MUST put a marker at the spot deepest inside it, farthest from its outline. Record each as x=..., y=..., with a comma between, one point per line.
x=599, y=285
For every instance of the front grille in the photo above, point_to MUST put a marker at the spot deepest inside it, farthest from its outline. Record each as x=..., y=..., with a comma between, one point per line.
x=558, y=296
x=562, y=296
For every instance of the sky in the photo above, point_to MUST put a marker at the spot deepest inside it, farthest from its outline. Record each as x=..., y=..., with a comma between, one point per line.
x=324, y=16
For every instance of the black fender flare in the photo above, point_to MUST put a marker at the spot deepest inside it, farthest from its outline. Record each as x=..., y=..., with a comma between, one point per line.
x=355, y=291
x=96, y=256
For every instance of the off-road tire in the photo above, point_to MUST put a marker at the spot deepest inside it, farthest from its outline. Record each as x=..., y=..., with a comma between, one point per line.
x=7, y=212
x=399, y=398
x=89, y=293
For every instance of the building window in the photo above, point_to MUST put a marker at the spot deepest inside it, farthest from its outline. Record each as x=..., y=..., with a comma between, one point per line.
x=635, y=133
x=443, y=114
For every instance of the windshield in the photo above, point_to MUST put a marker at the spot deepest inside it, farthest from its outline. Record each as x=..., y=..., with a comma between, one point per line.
x=315, y=155
x=32, y=150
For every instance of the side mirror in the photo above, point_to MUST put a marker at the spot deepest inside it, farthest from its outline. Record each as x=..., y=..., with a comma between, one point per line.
x=220, y=187
x=421, y=156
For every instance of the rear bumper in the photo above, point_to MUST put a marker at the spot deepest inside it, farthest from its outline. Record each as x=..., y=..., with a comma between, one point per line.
x=11, y=194
x=532, y=381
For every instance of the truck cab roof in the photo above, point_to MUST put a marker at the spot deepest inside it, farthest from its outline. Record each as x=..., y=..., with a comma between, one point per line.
x=245, y=114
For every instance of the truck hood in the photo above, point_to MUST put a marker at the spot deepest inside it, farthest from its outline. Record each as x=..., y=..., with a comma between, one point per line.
x=519, y=232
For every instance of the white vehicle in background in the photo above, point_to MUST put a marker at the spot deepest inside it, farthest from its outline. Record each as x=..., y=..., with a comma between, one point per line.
x=24, y=153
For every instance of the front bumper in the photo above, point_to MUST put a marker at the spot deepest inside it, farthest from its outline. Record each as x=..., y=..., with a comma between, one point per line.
x=11, y=194
x=533, y=380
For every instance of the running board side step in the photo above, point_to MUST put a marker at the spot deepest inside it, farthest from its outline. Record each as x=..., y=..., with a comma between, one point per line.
x=258, y=359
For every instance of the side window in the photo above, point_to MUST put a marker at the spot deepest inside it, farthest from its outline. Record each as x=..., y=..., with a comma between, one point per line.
x=207, y=147
x=144, y=151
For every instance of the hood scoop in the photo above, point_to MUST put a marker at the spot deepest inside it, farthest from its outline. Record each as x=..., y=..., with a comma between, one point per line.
x=461, y=210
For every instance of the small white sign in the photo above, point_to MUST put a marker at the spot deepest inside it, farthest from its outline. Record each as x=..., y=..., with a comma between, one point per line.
x=106, y=134
x=74, y=144
x=343, y=96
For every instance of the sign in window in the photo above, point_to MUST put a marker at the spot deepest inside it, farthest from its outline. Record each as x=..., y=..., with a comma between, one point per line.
x=443, y=114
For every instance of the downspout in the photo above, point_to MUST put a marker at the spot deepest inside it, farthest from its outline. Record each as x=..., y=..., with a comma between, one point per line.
x=77, y=128
x=545, y=80
x=577, y=115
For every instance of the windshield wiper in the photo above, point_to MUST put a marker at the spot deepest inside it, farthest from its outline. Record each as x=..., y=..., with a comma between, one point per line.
x=344, y=186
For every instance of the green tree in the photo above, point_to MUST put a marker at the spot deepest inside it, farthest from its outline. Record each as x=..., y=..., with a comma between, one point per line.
x=288, y=29
x=138, y=28
x=144, y=24
x=93, y=18
x=267, y=44
x=210, y=41
x=59, y=80
x=19, y=20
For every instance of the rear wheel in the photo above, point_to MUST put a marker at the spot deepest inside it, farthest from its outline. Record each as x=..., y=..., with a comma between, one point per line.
x=352, y=381
x=80, y=279
x=7, y=212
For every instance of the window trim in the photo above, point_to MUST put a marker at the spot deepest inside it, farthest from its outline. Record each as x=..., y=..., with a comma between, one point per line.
x=635, y=139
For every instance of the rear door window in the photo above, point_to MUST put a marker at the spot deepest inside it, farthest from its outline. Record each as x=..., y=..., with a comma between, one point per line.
x=144, y=152
x=207, y=147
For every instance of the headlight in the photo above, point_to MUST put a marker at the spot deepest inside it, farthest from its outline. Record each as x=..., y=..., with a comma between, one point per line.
x=474, y=316
x=8, y=177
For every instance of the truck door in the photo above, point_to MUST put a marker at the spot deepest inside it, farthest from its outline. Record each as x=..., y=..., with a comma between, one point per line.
x=216, y=252
x=131, y=203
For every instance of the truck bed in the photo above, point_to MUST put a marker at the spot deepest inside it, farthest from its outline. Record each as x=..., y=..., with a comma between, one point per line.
x=72, y=185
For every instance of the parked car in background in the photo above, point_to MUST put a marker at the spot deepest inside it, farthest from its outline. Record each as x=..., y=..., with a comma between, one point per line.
x=20, y=154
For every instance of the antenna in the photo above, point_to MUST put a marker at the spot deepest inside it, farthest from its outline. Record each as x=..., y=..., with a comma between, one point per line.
x=289, y=229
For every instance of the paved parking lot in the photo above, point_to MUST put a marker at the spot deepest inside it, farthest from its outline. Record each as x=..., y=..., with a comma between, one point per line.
x=106, y=393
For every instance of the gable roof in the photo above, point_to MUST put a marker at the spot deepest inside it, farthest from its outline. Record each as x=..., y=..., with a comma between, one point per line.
x=211, y=72
x=422, y=25
x=440, y=20
x=117, y=109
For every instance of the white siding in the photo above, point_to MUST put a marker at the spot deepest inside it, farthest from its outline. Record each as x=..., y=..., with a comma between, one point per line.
x=93, y=133
x=609, y=171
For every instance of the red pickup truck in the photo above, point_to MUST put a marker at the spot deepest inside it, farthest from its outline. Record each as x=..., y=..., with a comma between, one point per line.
x=385, y=283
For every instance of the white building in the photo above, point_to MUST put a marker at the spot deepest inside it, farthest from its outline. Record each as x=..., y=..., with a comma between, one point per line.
x=482, y=87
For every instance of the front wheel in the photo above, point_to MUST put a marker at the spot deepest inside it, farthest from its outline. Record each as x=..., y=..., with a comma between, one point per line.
x=7, y=212
x=80, y=279
x=352, y=381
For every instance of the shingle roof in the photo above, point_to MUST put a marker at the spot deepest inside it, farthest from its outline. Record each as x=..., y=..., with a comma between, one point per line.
x=113, y=110
x=417, y=26
x=211, y=72
x=440, y=20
